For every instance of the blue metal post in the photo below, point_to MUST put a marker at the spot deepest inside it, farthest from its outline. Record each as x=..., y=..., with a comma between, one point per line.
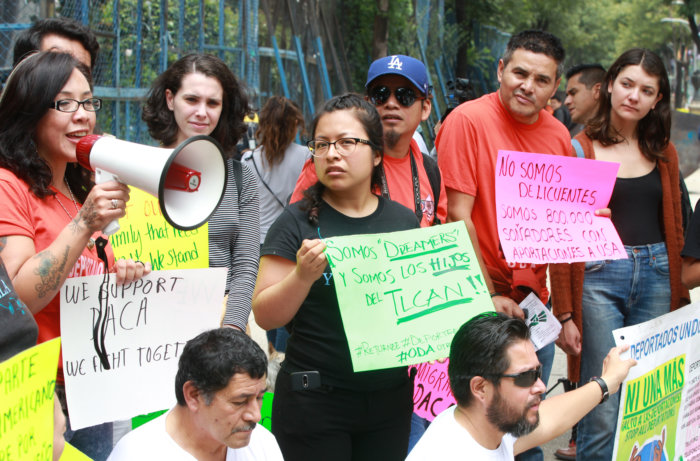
x=84, y=8
x=163, y=38
x=280, y=67
x=253, y=65
x=321, y=63
x=304, y=75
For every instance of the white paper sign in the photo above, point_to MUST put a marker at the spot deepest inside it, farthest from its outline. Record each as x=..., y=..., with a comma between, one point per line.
x=544, y=327
x=143, y=327
x=659, y=415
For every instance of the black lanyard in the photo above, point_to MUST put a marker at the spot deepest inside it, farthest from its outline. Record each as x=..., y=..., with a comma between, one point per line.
x=416, y=187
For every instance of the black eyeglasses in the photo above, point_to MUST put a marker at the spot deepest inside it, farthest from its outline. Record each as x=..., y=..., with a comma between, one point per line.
x=405, y=96
x=72, y=105
x=526, y=378
x=344, y=146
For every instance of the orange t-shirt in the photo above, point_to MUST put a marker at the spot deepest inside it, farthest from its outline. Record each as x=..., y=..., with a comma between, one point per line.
x=23, y=213
x=468, y=145
x=399, y=181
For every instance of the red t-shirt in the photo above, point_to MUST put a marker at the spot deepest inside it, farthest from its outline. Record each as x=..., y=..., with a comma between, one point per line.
x=468, y=145
x=399, y=181
x=42, y=220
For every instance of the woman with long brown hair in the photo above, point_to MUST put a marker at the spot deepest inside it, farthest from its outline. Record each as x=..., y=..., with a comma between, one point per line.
x=633, y=128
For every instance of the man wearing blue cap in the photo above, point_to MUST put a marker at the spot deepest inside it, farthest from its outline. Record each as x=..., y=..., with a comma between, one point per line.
x=398, y=86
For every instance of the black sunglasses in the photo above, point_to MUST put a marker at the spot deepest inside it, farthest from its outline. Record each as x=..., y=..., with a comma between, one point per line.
x=526, y=378
x=380, y=95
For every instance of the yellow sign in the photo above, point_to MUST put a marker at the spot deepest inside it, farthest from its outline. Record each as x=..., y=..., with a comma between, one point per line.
x=146, y=236
x=27, y=383
x=650, y=388
x=70, y=453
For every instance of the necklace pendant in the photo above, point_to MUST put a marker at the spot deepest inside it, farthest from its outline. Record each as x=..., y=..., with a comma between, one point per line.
x=91, y=243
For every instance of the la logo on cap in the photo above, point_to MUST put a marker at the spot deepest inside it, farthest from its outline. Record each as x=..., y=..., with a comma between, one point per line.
x=395, y=63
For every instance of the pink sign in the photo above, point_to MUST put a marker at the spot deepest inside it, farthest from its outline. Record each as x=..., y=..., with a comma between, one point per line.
x=431, y=391
x=546, y=208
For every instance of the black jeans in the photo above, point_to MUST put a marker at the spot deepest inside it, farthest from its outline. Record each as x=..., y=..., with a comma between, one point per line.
x=341, y=424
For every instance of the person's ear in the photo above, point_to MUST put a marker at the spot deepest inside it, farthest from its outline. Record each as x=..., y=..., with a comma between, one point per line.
x=596, y=91
x=193, y=396
x=481, y=388
x=169, y=97
x=425, y=109
x=501, y=68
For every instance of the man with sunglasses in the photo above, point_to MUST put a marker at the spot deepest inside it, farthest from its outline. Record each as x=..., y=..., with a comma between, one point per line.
x=398, y=87
x=495, y=378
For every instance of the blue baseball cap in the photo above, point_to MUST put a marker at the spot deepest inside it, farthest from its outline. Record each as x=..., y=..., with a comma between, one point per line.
x=405, y=66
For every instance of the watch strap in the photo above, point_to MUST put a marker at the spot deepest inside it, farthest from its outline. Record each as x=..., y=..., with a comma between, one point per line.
x=603, y=387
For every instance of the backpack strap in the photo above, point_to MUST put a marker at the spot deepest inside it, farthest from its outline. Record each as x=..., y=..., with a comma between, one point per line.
x=578, y=148
x=238, y=177
x=433, y=172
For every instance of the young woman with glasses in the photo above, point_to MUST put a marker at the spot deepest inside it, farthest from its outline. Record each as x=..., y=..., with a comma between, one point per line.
x=52, y=214
x=199, y=95
x=322, y=409
x=633, y=128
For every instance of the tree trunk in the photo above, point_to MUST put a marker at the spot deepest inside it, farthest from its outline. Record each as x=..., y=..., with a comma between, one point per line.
x=460, y=9
x=380, y=43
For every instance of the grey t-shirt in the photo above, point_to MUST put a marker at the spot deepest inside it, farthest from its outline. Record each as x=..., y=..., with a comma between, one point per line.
x=280, y=178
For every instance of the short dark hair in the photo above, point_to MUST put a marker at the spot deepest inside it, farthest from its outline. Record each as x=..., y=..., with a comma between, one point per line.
x=479, y=349
x=30, y=40
x=590, y=74
x=654, y=130
x=559, y=96
x=212, y=358
x=25, y=100
x=536, y=41
x=161, y=120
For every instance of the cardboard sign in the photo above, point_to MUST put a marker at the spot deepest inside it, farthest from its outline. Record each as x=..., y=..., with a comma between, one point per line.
x=403, y=295
x=659, y=415
x=138, y=330
x=27, y=383
x=546, y=208
x=431, y=390
x=146, y=236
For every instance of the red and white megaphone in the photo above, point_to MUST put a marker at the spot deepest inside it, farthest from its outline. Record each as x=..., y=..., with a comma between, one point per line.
x=189, y=181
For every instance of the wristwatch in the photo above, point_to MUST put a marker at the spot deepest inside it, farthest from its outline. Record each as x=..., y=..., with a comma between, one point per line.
x=603, y=387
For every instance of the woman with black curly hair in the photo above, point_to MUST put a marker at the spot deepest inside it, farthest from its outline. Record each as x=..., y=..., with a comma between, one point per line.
x=199, y=95
x=347, y=415
x=52, y=214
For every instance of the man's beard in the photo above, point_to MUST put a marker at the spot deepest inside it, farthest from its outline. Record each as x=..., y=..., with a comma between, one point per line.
x=391, y=138
x=507, y=420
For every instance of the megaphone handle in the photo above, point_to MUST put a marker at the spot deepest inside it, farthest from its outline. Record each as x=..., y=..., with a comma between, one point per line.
x=102, y=176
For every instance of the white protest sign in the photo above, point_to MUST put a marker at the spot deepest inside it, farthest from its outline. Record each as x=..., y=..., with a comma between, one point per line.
x=659, y=415
x=140, y=329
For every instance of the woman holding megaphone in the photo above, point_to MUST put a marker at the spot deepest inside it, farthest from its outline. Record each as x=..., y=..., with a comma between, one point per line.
x=199, y=95
x=52, y=214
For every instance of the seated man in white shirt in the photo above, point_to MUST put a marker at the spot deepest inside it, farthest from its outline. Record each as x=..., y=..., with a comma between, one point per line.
x=219, y=387
x=495, y=378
